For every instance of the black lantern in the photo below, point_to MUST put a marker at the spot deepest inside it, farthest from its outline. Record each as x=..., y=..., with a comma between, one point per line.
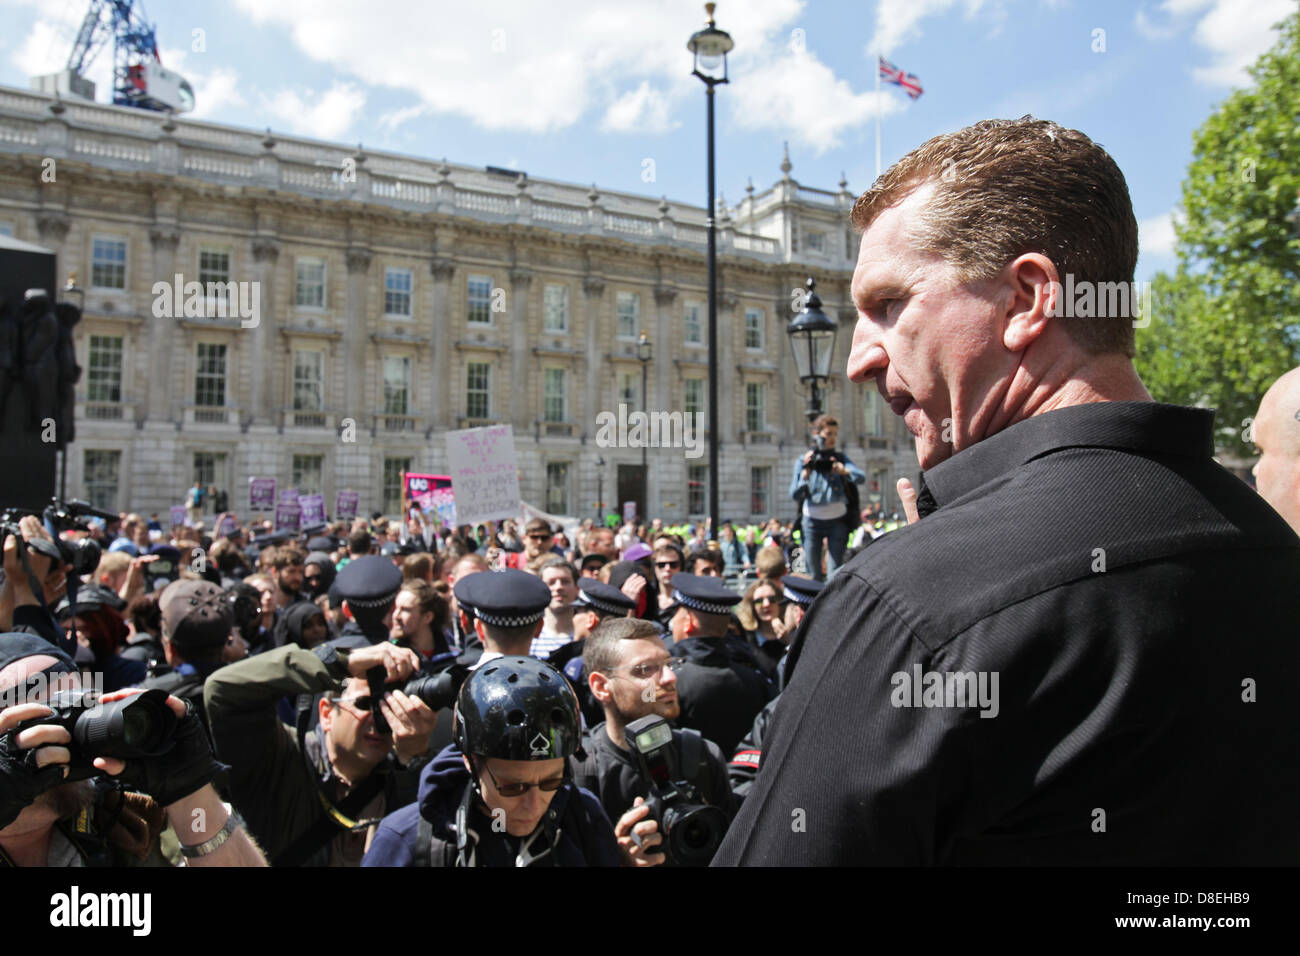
x=812, y=338
x=710, y=47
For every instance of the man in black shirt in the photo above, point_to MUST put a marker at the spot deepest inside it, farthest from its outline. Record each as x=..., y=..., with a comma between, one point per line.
x=1048, y=667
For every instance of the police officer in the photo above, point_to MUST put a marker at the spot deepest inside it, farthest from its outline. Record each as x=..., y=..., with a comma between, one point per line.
x=367, y=588
x=719, y=682
x=507, y=608
x=799, y=593
x=632, y=675
x=597, y=602
x=748, y=758
x=500, y=795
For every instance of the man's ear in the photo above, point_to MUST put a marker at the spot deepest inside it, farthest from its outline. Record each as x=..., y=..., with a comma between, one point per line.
x=692, y=624
x=537, y=628
x=481, y=630
x=599, y=684
x=325, y=713
x=1035, y=298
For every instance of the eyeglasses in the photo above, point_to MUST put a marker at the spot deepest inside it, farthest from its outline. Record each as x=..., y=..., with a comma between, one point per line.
x=668, y=564
x=654, y=668
x=769, y=600
x=540, y=537
x=364, y=703
x=519, y=789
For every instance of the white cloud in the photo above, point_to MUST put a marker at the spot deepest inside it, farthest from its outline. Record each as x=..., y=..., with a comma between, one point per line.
x=215, y=90
x=898, y=21
x=643, y=110
x=325, y=116
x=1234, y=32
x=49, y=40
x=1156, y=235
x=394, y=118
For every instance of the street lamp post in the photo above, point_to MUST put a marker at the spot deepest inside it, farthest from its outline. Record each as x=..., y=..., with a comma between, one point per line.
x=644, y=352
x=812, y=339
x=600, y=488
x=710, y=47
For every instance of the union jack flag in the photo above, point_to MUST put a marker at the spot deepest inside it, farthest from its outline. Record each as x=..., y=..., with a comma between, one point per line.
x=892, y=74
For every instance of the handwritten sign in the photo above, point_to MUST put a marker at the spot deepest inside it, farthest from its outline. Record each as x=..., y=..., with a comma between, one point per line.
x=484, y=473
x=313, y=509
x=288, y=516
x=345, y=505
x=261, y=494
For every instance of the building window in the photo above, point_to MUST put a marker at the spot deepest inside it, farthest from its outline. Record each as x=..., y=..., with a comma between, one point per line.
x=210, y=376
x=874, y=414
x=553, y=400
x=104, y=377
x=694, y=323
x=693, y=403
x=814, y=241
x=478, y=381
x=101, y=469
x=210, y=468
x=108, y=263
x=397, y=385
x=307, y=472
x=555, y=308
x=628, y=388
x=214, y=266
x=755, y=406
x=308, y=381
x=7, y=229
x=697, y=478
x=393, y=468
x=754, y=328
x=397, y=292
x=310, y=292
x=760, y=479
x=628, y=305
x=480, y=300
x=557, y=487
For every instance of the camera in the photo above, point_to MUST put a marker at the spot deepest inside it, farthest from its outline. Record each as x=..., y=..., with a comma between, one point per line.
x=823, y=459
x=438, y=691
x=692, y=830
x=141, y=725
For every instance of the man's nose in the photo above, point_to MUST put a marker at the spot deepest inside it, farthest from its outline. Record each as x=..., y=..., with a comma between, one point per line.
x=867, y=357
x=668, y=677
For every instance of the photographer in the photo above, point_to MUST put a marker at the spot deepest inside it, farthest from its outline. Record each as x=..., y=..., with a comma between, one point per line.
x=20, y=610
x=822, y=484
x=632, y=676
x=501, y=795
x=314, y=797
x=47, y=822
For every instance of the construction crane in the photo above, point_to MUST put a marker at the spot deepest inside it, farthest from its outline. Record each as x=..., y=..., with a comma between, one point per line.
x=139, y=78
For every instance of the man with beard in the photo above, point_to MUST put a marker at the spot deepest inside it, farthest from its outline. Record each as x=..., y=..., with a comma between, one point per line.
x=420, y=621
x=287, y=567
x=47, y=823
x=632, y=676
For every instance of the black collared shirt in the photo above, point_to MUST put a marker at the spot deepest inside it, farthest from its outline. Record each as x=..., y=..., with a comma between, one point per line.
x=1136, y=604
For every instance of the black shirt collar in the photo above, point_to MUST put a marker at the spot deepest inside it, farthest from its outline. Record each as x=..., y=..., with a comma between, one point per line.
x=1147, y=428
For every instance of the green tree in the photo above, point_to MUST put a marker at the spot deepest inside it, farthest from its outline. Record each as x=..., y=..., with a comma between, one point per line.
x=1225, y=324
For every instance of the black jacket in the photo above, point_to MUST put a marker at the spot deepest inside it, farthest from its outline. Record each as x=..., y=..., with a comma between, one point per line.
x=1125, y=593
x=748, y=758
x=721, y=688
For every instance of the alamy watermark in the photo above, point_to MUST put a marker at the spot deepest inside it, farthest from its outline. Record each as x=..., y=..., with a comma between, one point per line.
x=1102, y=300
x=215, y=300
x=946, y=689
x=651, y=430
x=38, y=687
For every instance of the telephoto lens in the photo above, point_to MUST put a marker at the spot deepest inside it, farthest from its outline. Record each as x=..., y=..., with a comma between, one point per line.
x=437, y=691
x=137, y=726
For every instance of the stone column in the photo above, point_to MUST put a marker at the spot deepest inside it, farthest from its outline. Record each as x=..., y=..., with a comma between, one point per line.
x=668, y=397
x=354, y=335
x=266, y=254
x=163, y=400
x=593, y=292
x=522, y=403
x=442, y=413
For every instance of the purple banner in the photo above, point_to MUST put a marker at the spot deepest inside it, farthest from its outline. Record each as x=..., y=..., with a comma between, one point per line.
x=261, y=494
x=345, y=505
x=288, y=516
x=178, y=515
x=313, y=509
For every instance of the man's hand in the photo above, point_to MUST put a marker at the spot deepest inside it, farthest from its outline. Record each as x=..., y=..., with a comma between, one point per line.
x=637, y=835
x=133, y=586
x=780, y=630
x=412, y=722
x=25, y=775
x=839, y=468
x=399, y=663
x=47, y=572
x=179, y=773
x=633, y=587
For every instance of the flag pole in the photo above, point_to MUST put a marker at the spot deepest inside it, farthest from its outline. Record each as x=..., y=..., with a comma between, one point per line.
x=877, y=116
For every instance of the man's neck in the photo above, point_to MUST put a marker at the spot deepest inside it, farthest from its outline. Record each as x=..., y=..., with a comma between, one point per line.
x=491, y=645
x=422, y=641
x=284, y=598
x=559, y=622
x=614, y=730
x=1063, y=383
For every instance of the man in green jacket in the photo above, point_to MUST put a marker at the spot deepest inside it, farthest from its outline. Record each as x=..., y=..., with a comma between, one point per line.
x=314, y=797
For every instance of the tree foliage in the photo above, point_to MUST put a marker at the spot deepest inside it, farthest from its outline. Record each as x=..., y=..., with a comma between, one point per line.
x=1227, y=323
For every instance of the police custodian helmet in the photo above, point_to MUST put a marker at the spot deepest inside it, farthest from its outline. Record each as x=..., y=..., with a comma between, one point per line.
x=517, y=708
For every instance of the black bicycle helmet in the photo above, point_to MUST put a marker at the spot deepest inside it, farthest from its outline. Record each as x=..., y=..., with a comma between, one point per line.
x=517, y=708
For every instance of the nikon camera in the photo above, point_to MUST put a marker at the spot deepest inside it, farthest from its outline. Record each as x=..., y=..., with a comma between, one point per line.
x=692, y=830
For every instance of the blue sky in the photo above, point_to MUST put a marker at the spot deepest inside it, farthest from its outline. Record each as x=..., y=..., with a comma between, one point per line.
x=587, y=92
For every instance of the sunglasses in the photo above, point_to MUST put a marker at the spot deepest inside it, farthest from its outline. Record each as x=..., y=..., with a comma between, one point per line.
x=363, y=703
x=519, y=789
x=769, y=600
x=668, y=564
x=540, y=537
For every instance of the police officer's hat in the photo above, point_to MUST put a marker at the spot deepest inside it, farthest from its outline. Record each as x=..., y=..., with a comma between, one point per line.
x=517, y=708
x=370, y=583
x=603, y=597
x=801, y=590
x=507, y=598
x=272, y=540
x=707, y=595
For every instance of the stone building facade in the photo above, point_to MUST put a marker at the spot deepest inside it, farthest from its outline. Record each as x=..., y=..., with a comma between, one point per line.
x=351, y=307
